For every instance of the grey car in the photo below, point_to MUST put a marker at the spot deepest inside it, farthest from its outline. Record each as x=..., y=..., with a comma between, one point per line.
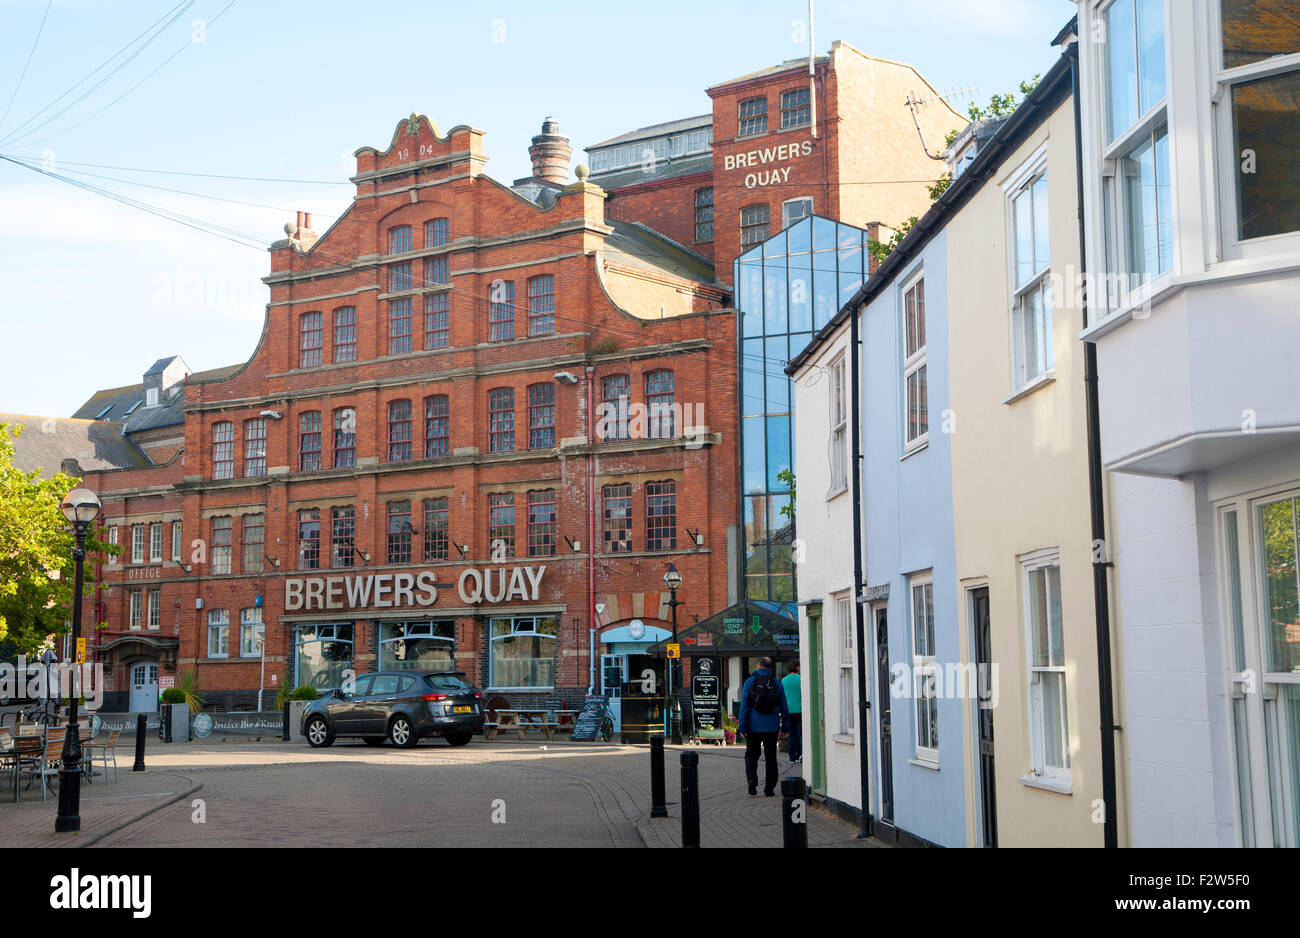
x=400, y=706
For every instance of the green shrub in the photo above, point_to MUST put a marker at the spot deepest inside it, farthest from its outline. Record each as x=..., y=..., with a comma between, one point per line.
x=304, y=692
x=173, y=695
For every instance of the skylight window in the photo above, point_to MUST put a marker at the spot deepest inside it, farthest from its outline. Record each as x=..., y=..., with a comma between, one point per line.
x=103, y=413
x=130, y=410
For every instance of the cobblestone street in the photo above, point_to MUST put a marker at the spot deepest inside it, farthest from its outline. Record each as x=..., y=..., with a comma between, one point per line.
x=487, y=794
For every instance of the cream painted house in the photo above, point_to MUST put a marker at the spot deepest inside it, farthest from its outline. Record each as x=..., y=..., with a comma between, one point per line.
x=1021, y=496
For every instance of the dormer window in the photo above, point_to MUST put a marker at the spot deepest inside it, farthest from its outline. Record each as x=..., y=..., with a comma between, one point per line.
x=150, y=397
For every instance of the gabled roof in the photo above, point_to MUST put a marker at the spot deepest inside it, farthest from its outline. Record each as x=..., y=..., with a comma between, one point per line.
x=161, y=364
x=786, y=66
x=95, y=444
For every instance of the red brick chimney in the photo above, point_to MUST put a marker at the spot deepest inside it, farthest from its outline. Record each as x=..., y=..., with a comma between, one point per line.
x=550, y=153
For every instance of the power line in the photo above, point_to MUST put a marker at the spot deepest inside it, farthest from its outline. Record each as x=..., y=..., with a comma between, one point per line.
x=175, y=172
x=174, y=13
x=27, y=64
x=159, y=68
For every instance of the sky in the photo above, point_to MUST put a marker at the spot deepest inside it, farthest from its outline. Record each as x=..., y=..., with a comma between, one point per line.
x=93, y=291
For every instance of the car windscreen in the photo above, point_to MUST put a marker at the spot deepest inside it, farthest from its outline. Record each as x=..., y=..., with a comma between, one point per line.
x=447, y=682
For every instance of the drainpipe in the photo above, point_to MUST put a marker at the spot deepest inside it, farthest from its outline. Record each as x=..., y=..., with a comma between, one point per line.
x=1096, y=502
x=591, y=540
x=864, y=706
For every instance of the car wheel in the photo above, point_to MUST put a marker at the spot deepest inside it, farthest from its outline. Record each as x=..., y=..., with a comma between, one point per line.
x=318, y=733
x=374, y=740
x=459, y=739
x=401, y=733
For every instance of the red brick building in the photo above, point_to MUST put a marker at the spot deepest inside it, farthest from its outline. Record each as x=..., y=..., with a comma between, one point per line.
x=476, y=412
x=413, y=469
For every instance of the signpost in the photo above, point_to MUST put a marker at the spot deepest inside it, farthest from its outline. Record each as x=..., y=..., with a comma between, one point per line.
x=81, y=651
x=674, y=651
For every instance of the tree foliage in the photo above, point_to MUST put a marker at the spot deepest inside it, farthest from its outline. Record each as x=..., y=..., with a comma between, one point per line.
x=36, y=573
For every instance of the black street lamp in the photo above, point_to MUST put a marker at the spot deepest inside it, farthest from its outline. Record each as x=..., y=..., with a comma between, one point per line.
x=673, y=580
x=81, y=507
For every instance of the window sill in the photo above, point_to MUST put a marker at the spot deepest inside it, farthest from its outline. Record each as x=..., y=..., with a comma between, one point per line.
x=1061, y=786
x=1042, y=380
x=924, y=764
x=920, y=447
x=847, y=739
x=837, y=492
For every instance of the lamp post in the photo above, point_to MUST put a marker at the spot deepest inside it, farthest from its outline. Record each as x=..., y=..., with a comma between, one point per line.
x=81, y=507
x=673, y=580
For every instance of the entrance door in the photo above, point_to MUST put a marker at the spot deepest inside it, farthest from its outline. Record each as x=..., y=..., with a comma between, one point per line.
x=984, y=714
x=144, y=688
x=613, y=674
x=883, y=702
x=815, y=732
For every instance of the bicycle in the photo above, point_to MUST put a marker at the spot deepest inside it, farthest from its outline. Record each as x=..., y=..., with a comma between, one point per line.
x=607, y=723
x=38, y=714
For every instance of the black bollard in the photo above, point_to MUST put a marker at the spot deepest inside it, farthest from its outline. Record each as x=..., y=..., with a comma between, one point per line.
x=286, y=736
x=690, y=799
x=658, y=807
x=141, y=727
x=794, y=812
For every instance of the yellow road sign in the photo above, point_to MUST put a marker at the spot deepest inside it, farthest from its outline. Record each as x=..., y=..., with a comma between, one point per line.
x=81, y=651
x=674, y=651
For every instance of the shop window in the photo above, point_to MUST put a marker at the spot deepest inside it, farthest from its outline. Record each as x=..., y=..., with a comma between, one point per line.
x=417, y=646
x=522, y=653
x=323, y=655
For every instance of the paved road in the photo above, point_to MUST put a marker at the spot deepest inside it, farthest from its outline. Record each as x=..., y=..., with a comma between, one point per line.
x=486, y=794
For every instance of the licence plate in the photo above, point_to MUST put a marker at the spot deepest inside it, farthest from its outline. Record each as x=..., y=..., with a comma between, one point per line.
x=462, y=709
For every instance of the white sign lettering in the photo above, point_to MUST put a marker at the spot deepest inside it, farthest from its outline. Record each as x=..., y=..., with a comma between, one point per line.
x=397, y=590
x=762, y=156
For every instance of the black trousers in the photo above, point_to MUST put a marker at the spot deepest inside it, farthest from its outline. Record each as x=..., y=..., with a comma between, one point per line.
x=767, y=741
x=794, y=744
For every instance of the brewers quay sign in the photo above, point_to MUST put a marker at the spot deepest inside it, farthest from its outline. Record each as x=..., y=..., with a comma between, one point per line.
x=762, y=156
x=394, y=590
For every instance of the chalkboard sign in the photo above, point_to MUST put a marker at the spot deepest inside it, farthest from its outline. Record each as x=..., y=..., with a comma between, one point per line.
x=705, y=701
x=587, y=726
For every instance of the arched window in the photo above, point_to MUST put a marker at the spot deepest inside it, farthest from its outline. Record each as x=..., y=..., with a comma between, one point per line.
x=399, y=239
x=345, y=437
x=322, y=654
x=436, y=232
x=522, y=653
x=417, y=646
x=309, y=340
x=541, y=416
x=255, y=447
x=501, y=310
x=661, y=516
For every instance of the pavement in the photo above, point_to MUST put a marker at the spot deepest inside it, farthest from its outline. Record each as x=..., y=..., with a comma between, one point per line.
x=499, y=793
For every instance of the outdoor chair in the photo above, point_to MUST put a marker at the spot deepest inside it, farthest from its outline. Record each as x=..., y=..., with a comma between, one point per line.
x=47, y=764
x=103, y=752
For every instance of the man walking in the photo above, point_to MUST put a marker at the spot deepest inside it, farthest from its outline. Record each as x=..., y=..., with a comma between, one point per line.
x=763, y=714
x=793, y=686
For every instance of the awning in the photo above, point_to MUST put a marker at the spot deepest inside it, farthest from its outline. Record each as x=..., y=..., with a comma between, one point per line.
x=750, y=627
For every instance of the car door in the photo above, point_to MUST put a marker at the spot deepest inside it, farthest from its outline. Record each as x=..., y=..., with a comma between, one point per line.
x=345, y=711
x=374, y=710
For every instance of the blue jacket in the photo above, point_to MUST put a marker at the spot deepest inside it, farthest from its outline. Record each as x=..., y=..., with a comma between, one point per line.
x=753, y=721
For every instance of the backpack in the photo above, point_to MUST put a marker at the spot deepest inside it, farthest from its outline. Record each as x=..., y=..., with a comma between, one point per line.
x=762, y=693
